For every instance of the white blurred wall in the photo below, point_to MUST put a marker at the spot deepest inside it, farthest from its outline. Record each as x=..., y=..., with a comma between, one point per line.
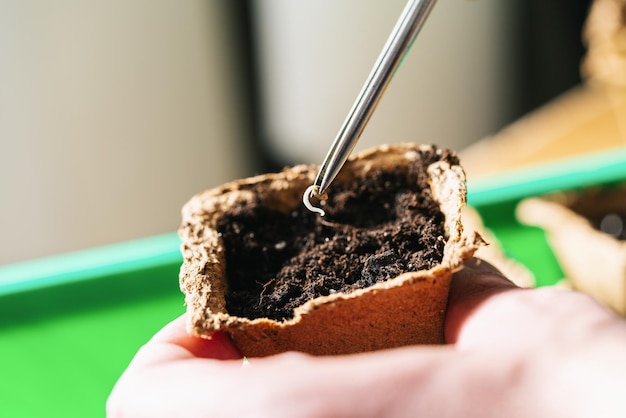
x=112, y=114
x=453, y=88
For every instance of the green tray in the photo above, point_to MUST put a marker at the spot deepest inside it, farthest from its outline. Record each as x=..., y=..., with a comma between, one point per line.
x=70, y=324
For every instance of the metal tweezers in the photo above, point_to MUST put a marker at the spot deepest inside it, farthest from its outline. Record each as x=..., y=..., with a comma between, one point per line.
x=404, y=33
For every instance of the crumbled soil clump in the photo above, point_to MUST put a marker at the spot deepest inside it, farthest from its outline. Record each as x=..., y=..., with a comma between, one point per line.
x=376, y=228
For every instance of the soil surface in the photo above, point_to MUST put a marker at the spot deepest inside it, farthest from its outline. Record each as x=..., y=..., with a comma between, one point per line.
x=375, y=228
x=604, y=208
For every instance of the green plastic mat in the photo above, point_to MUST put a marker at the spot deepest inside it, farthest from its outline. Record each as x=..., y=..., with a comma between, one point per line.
x=70, y=324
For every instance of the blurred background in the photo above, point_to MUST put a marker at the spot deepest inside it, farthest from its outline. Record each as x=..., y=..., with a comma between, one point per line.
x=114, y=113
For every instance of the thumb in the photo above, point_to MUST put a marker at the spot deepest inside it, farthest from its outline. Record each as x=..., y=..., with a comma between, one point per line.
x=476, y=282
x=173, y=343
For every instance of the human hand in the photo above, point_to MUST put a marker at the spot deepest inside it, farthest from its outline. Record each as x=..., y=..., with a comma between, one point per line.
x=512, y=352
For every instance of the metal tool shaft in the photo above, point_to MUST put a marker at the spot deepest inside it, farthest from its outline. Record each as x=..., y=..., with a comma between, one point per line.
x=406, y=29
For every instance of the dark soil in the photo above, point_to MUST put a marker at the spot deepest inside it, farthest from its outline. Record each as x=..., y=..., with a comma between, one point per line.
x=378, y=227
x=604, y=208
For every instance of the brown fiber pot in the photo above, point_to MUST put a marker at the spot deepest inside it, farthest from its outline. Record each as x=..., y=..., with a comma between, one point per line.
x=408, y=309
